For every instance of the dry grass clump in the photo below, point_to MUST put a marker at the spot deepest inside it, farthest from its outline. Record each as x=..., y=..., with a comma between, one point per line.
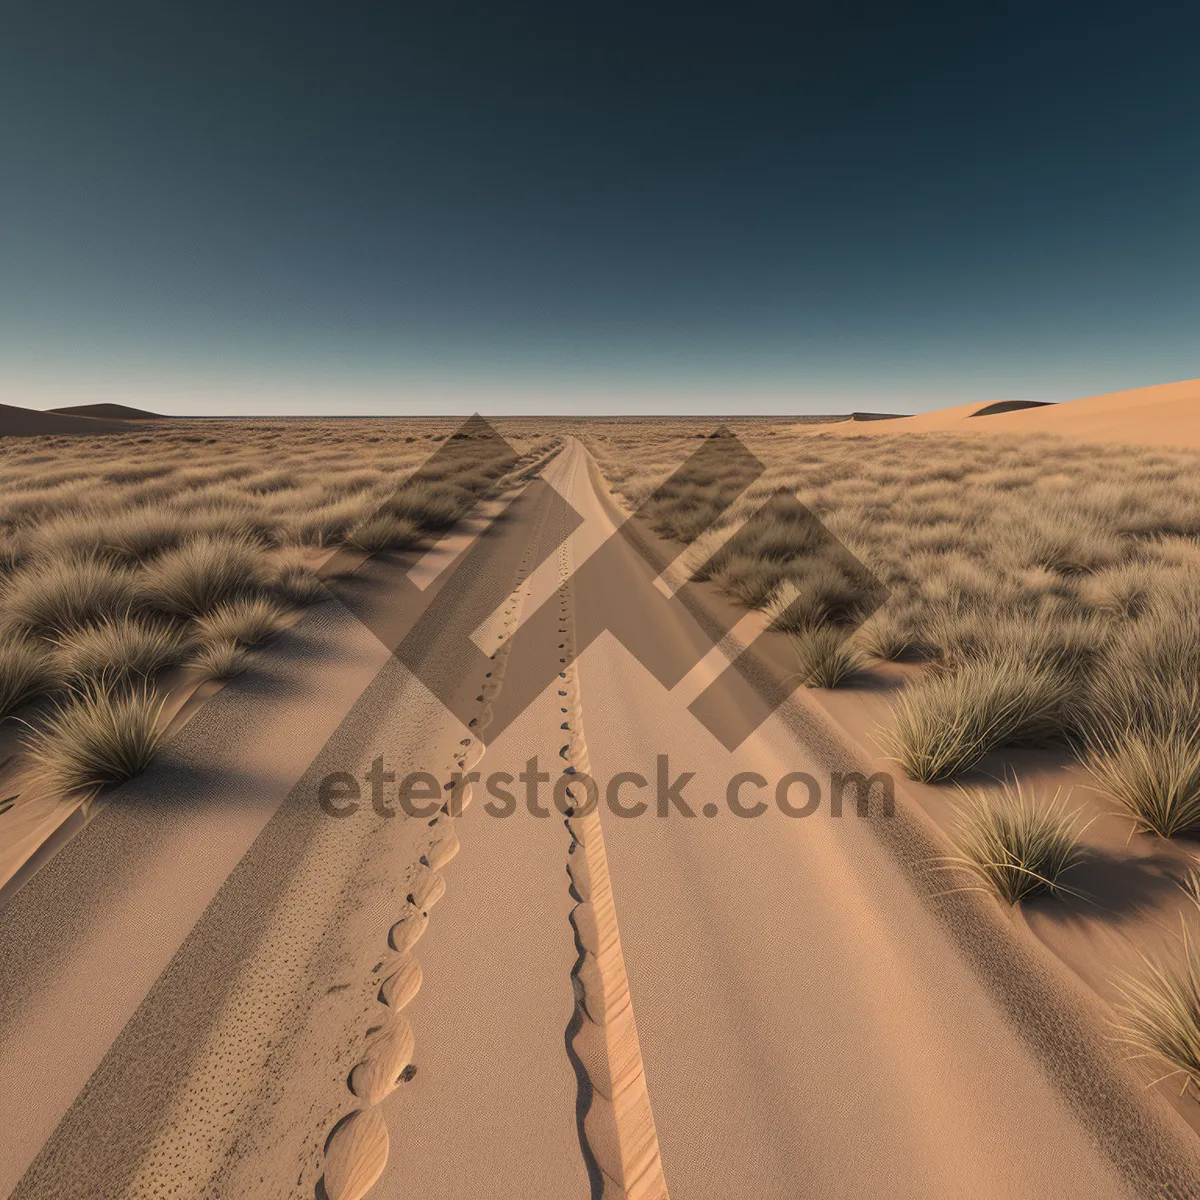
x=26, y=672
x=76, y=533
x=224, y=517
x=1141, y=731
x=384, y=531
x=1123, y=591
x=826, y=657
x=55, y=597
x=946, y=723
x=1154, y=773
x=96, y=737
x=245, y=622
x=206, y=572
x=296, y=583
x=427, y=507
x=1047, y=582
x=1061, y=538
x=118, y=652
x=137, y=536
x=893, y=635
x=1014, y=845
x=1158, y=1014
x=1044, y=635
x=126, y=538
x=322, y=523
x=222, y=660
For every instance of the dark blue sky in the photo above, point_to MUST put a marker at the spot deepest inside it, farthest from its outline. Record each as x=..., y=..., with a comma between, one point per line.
x=795, y=207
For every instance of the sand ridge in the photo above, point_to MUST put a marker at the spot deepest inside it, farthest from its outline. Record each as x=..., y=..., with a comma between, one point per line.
x=1165, y=414
x=30, y=422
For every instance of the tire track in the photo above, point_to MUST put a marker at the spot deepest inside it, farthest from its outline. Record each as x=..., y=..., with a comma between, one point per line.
x=616, y=1121
x=357, y=1147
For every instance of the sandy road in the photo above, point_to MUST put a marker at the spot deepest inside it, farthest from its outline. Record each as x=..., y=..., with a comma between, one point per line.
x=806, y=1025
x=710, y=1006
x=185, y=988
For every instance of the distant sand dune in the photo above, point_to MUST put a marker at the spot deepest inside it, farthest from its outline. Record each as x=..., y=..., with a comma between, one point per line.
x=116, y=412
x=1167, y=414
x=1003, y=406
x=29, y=422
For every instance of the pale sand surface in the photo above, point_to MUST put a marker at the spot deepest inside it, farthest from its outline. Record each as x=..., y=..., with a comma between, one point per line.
x=492, y=1110
x=247, y=1036
x=115, y=906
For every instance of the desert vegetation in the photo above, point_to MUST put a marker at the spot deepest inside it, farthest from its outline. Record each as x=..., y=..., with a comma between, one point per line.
x=1036, y=592
x=1158, y=1011
x=1023, y=593
x=1046, y=591
x=186, y=546
x=1016, y=845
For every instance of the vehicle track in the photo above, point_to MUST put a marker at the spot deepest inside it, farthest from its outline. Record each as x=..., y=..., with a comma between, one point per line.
x=356, y=1150
x=617, y=1128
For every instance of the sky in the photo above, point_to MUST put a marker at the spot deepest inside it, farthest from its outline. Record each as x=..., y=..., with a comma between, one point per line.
x=450, y=207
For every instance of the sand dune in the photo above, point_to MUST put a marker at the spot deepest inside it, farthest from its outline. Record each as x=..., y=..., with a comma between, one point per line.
x=116, y=412
x=1003, y=406
x=1166, y=414
x=29, y=422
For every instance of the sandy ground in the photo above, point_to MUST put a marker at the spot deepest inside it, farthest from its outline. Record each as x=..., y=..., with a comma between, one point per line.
x=789, y=980
x=207, y=981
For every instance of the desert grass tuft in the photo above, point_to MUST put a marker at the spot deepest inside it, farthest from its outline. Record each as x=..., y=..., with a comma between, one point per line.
x=222, y=660
x=308, y=521
x=95, y=738
x=1123, y=591
x=823, y=595
x=1158, y=1014
x=117, y=652
x=1015, y=846
x=1153, y=772
x=298, y=584
x=384, y=531
x=140, y=534
x=892, y=637
x=1140, y=722
x=25, y=673
x=430, y=507
x=246, y=622
x=944, y=725
x=55, y=597
x=196, y=578
x=826, y=656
